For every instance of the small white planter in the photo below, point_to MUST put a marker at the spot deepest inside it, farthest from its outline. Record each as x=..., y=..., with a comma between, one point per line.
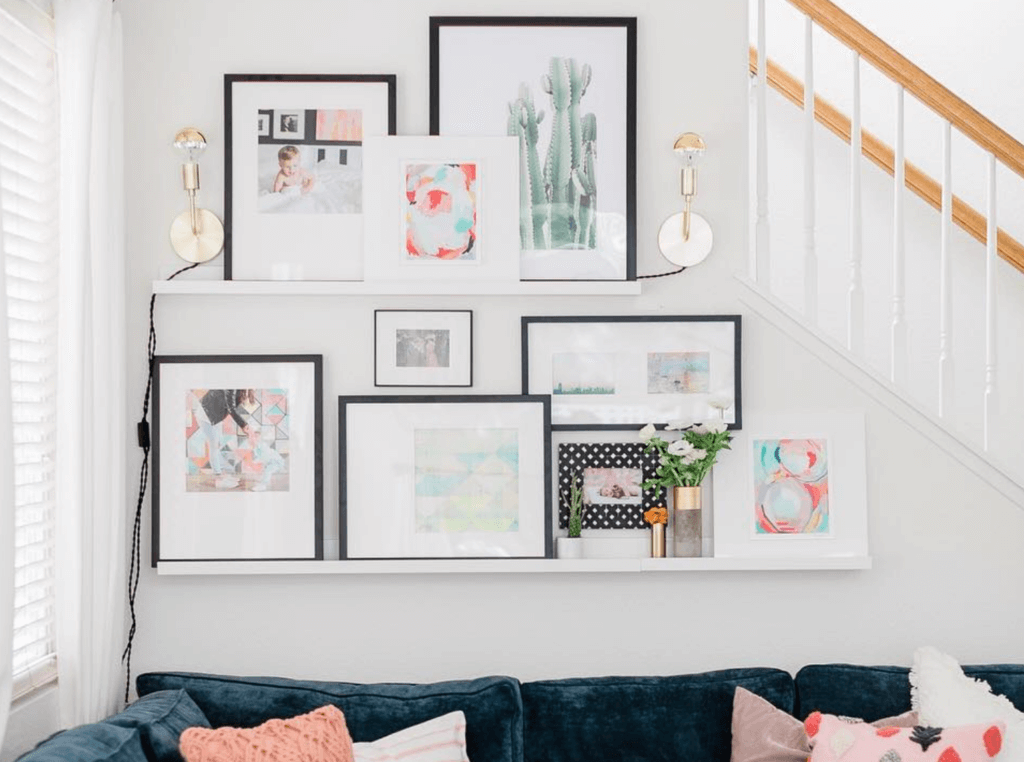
x=569, y=547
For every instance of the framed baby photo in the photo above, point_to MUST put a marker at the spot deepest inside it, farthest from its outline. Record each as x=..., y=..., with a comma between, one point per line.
x=565, y=88
x=623, y=372
x=611, y=475
x=237, y=458
x=441, y=209
x=449, y=476
x=294, y=172
x=423, y=347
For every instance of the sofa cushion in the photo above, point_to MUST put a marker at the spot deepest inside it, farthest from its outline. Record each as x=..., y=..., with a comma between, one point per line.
x=492, y=705
x=90, y=743
x=160, y=719
x=873, y=692
x=641, y=718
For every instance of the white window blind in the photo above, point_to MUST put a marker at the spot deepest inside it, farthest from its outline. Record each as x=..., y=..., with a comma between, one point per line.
x=29, y=207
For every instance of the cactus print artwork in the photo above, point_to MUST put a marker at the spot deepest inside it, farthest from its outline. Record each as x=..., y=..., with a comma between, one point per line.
x=440, y=220
x=557, y=203
x=791, y=487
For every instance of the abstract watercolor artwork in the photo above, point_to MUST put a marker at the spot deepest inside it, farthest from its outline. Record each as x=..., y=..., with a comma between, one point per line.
x=466, y=480
x=791, y=487
x=582, y=373
x=678, y=372
x=440, y=220
x=236, y=440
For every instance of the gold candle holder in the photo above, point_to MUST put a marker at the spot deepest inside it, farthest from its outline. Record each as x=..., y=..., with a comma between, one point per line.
x=657, y=541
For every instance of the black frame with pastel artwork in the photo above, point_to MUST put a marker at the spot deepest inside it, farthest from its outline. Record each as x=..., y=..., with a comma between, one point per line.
x=237, y=458
x=611, y=475
x=615, y=373
x=496, y=75
x=293, y=172
x=423, y=348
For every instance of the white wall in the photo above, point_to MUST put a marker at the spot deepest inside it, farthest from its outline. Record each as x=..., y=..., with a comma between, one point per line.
x=940, y=537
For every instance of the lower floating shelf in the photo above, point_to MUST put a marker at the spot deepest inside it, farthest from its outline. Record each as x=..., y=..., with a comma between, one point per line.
x=511, y=566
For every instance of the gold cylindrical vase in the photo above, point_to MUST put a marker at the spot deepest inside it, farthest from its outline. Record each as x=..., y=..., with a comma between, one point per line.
x=657, y=540
x=686, y=516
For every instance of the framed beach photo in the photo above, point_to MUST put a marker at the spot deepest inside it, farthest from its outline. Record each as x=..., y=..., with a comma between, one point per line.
x=237, y=458
x=445, y=477
x=565, y=89
x=611, y=475
x=441, y=209
x=793, y=485
x=423, y=347
x=294, y=172
x=619, y=373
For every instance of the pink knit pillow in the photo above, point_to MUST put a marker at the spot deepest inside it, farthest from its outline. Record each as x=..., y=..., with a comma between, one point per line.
x=320, y=736
x=833, y=739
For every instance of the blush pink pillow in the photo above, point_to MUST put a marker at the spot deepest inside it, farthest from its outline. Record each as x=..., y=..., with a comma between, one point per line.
x=833, y=739
x=320, y=736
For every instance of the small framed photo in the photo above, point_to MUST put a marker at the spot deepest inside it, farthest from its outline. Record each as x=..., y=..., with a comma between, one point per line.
x=566, y=89
x=423, y=347
x=237, y=449
x=794, y=484
x=618, y=373
x=445, y=476
x=293, y=191
x=440, y=209
x=611, y=475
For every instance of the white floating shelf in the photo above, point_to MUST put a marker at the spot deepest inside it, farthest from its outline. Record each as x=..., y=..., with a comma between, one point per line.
x=509, y=566
x=395, y=288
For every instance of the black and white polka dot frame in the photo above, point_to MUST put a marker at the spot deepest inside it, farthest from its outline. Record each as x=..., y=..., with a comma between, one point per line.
x=574, y=457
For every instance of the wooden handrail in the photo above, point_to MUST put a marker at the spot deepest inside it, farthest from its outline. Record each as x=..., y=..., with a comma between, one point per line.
x=964, y=215
x=925, y=88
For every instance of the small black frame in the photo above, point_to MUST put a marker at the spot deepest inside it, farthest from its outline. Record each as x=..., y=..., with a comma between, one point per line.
x=344, y=401
x=736, y=321
x=376, y=380
x=229, y=79
x=318, y=485
x=627, y=22
x=575, y=457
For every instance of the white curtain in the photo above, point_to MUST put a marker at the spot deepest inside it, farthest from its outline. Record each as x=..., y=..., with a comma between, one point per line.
x=92, y=430
x=6, y=506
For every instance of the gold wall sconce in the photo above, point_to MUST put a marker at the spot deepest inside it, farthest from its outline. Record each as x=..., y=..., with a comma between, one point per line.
x=685, y=239
x=196, y=234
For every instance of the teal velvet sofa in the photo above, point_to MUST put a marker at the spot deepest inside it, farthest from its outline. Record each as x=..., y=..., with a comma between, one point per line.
x=625, y=719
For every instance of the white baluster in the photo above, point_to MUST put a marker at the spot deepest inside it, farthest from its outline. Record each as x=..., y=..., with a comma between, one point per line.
x=855, y=296
x=898, y=328
x=991, y=260
x=762, y=256
x=946, y=281
x=810, y=255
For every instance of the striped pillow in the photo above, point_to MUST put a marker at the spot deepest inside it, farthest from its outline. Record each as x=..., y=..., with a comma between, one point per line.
x=442, y=739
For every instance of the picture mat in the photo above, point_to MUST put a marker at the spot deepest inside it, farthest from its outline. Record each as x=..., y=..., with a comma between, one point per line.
x=237, y=525
x=295, y=246
x=630, y=343
x=459, y=371
x=734, y=487
x=463, y=57
x=384, y=201
x=380, y=519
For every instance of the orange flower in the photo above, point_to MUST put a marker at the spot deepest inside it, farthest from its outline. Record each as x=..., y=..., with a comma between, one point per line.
x=657, y=515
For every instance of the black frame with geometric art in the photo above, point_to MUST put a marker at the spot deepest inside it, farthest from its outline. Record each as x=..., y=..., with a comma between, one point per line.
x=574, y=457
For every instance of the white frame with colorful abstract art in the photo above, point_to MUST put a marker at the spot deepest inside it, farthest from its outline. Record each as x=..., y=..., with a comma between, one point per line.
x=411, y=467
x=793, y=485
x=237, y=458
x=441, y=209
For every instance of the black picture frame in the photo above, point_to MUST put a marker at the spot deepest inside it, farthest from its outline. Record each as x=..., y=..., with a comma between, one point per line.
x=737, y=392
x=345, y=401
x=162, y=361
x=575, y=457
x=376, y=347
x=629, y=23
x=389, y=80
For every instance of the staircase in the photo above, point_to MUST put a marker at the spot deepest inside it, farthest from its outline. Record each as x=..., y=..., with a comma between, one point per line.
x=864, y=253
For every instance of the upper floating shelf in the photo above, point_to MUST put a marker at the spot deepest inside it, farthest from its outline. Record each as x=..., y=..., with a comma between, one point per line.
x=409, y=288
